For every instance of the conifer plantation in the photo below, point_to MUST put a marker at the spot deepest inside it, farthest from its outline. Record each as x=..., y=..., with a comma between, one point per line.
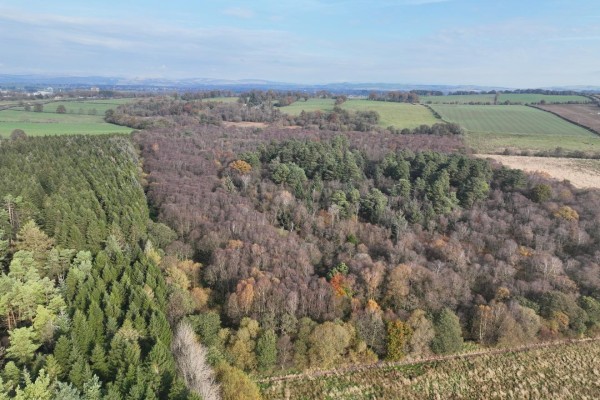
x=200, y=260
x=82, y=298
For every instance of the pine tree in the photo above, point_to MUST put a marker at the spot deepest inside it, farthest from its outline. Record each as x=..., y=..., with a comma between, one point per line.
x=32, y=238
x=23, y=344
x=448, y=334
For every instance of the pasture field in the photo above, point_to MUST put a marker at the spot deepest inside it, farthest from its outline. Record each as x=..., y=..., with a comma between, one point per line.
x=41, y=124
x=82, y=106
x=530, y=98
x=587, y=115
x=524, y=98
x=310, y=105
x=399, y=115
x=566, y=371
x=458, y=99
x=491, y=129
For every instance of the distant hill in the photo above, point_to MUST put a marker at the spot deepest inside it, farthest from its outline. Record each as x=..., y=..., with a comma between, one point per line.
x=161, y=84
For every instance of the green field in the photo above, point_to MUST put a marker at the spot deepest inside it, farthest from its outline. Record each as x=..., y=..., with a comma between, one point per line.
x=458, y=99
x=8, y=103
x=83, y=107
x=310, y=105
x=568, y=371
x=399, y=115
x=524, y=98
x=495, y=128
x=527, y=98
x=41, y=124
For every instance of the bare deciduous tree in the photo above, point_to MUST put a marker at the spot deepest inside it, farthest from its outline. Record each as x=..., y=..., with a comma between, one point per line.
x=190, y=356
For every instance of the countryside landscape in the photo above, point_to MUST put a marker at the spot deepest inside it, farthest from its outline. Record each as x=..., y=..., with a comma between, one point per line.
x=298, y=227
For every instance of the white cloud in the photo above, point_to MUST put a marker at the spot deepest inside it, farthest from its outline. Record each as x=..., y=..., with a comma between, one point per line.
x=518, y=52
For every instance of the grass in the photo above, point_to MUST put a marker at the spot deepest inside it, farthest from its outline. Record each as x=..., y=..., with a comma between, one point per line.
x=310, y=105
x=458, y=99
x=83, y=106
x=527, y=98
x=567, y=371
x=492, y=129
x=399, y=115
x=41, y=124
x=524, y=98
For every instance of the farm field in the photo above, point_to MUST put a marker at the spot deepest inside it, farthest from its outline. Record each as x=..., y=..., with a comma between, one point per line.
x=583, y=114
x=8, y=103
x=529, y=98
x=582, y=173
x=310, y=105
x=524, y=98
x=41, y=124
x=399, y=115
x=566, y=371
x=82, y=107
x=458, y=99
x=491, y=129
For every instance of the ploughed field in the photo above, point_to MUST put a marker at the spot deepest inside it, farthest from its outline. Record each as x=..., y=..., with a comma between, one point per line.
x=566, y=371
x=587, y=115
x=492, y=129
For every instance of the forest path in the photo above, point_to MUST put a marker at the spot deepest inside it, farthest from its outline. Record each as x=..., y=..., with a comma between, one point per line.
x=392, y=364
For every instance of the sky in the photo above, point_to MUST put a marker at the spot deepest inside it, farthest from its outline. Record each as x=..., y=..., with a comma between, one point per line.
x=508, y=43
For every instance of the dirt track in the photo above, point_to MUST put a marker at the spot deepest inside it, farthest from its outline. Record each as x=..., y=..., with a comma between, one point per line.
x=582, y=173
x=355, y=368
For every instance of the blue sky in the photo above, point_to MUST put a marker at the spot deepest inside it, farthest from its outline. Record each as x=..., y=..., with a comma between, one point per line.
x=525, y=43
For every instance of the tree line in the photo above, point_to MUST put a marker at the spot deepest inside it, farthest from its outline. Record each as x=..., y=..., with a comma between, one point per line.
x=257, y=106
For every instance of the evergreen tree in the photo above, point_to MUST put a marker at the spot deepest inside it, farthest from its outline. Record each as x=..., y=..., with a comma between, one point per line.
x=23, y=344
x=266, y=350
x=62, y=351
x=448, y=334
x=99, y=362
x=40, y=389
